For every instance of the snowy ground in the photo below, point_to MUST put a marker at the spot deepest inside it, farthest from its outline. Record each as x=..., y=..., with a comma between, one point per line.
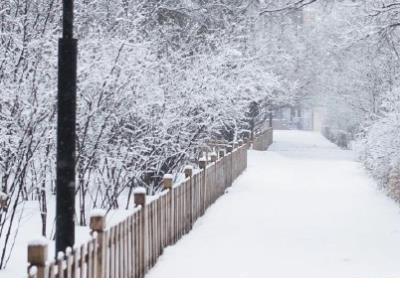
x=30, y=228
x=304, y=208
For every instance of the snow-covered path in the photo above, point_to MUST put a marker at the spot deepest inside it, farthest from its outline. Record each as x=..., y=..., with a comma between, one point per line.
x=303, y=208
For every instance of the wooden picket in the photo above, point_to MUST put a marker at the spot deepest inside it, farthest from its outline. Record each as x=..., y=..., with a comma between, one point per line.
x=132, y=247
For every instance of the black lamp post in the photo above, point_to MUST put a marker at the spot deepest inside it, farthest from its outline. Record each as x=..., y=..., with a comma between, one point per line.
x=66, y=132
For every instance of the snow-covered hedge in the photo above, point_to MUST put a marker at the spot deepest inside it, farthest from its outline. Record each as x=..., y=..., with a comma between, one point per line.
x=379, y=150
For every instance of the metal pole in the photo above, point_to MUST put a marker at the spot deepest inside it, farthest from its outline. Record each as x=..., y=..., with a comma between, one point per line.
x=66, y=132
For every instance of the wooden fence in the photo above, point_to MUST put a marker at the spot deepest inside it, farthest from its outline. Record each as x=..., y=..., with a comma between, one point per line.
x=131, y=247
x=263, y=139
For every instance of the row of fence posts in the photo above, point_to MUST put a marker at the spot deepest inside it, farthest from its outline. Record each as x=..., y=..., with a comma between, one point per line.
x=131, y=247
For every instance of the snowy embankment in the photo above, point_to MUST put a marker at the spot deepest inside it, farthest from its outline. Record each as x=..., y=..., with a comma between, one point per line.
x=304, y=208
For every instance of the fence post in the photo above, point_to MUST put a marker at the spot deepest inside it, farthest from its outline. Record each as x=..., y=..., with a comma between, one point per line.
x=168, y=184
x=140, y=199
x=188, y=171
x=189, y=174
x=246, y=153
x=214, y=157
x=229, y=149
x=167, y=181
x=214, y=187
x=246, y=142
x=234, y=158
x=37, y=256
x=203, y=167
x=98, y=226
x=222, y=179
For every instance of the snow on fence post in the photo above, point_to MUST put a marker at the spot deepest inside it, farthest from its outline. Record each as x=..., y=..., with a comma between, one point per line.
x=37, y=256
x=97, y=228
x=140, y=200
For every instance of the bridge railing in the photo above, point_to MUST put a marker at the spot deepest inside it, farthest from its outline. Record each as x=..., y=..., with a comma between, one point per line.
x=131, y=247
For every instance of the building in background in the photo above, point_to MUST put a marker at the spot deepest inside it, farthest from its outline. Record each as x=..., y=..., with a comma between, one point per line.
x=287, y=118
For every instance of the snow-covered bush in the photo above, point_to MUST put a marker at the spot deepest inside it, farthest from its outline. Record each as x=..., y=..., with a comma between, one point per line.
x=379, y=145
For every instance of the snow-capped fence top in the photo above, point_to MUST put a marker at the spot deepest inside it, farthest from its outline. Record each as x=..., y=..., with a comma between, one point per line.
x=132, y=247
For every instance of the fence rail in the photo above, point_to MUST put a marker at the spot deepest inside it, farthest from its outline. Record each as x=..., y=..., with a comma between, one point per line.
x=131, y=247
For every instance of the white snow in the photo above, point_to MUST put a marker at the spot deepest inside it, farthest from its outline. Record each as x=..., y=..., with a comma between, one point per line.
x=40, y=241
x=304, y=208
x=98, y=212
x=168, y=176
x=3, y=196
x=32, y=270
x=60, y=255
x=139, y=190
